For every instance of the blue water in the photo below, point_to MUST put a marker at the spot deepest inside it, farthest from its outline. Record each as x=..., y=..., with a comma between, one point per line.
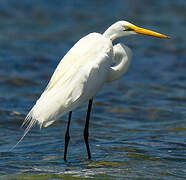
x=138, y=123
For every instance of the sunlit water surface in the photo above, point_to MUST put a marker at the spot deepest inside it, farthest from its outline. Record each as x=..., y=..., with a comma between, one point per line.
x=138, y=124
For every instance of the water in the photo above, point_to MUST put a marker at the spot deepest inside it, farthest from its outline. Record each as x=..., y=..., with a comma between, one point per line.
x=138, y=124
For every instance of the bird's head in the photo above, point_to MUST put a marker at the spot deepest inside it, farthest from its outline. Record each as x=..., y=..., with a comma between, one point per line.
x=124, y=28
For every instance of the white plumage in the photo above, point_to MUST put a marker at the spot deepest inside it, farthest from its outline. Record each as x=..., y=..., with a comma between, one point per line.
x=70, y=84
x=82, y=72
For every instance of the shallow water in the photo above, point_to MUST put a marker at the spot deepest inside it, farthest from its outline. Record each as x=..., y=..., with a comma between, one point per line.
x=138, y=124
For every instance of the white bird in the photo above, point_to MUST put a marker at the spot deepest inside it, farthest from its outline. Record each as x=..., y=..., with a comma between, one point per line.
x=82, y=72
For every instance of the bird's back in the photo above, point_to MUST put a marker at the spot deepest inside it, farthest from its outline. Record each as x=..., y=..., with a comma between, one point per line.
x=77, y=78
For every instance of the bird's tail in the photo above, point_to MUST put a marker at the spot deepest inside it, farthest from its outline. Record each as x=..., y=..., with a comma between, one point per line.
x=30, y=121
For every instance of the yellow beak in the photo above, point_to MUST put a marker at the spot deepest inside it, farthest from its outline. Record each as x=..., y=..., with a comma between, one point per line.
x=140, y=30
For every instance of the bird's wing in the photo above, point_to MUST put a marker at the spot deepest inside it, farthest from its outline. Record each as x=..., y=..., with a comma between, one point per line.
x=77, y=78
x=85, y=50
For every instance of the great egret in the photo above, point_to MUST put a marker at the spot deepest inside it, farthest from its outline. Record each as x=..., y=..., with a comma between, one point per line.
x=88, y=65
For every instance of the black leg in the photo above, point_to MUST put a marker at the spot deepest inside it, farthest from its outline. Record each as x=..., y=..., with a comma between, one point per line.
x=67, y=136
x=86, y=128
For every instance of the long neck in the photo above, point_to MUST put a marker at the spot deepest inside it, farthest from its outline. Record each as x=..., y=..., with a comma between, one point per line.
x=122, y=59
x=111, y=33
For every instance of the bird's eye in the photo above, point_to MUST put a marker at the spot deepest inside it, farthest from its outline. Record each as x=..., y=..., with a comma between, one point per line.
x=128, y=29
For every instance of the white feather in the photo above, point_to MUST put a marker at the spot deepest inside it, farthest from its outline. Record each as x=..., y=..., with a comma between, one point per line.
x=82, y=72
x=77, y=78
